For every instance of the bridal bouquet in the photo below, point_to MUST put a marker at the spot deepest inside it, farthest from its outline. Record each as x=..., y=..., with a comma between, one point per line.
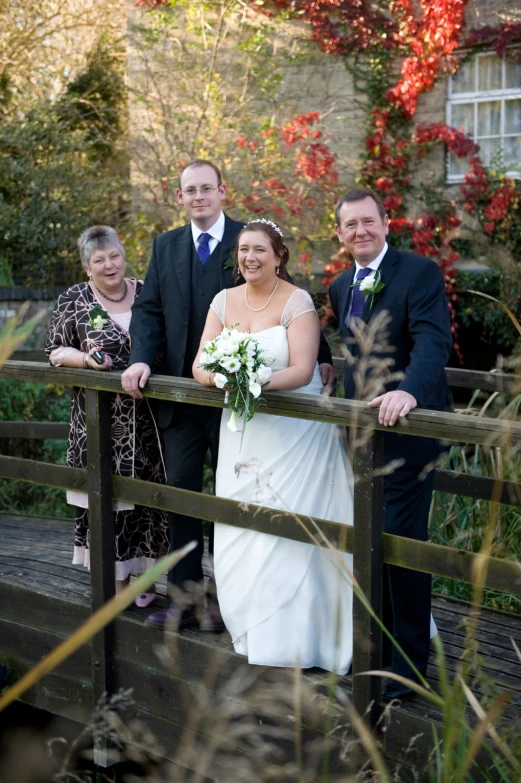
x=240, y=367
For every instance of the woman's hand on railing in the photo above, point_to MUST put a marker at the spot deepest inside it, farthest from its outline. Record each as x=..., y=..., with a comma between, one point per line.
x=92, y=364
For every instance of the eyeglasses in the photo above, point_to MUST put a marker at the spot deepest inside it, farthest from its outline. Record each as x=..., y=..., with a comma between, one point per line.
x=204, y=191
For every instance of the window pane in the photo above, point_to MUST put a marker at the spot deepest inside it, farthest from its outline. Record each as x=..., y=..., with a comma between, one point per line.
x=464, y=78
x=512, y=153
x=512, y=74
x=457, y=166
x=490, y=150
x=489, y=72
x=489, y=118
x=513, y=116
x=462, y=117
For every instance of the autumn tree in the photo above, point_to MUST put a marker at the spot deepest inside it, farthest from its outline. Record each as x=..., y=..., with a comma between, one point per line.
x=63, y=166
x=42, y=44
x=202, y=75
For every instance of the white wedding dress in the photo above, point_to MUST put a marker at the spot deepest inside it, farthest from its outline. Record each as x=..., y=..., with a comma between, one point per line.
x=285, y=603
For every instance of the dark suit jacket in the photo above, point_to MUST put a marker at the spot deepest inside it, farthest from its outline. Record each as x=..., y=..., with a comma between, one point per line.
x=420, y=339
x=160, y=316
x=162, y=310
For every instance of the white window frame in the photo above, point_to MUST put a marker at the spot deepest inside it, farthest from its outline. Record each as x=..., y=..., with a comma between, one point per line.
x=481, y=96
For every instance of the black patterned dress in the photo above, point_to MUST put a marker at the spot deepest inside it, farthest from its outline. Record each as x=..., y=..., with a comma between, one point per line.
x=141, y=534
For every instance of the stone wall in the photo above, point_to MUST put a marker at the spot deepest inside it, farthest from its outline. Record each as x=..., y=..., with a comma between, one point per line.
x=432, y=107
x=316, y=82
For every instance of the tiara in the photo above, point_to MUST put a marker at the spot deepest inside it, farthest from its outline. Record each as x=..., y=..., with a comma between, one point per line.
x=268, y=223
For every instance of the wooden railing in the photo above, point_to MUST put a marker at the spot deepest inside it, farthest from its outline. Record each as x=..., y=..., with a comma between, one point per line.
x=366, y=540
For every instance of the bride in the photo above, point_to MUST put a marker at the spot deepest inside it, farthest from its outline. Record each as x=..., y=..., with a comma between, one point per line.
x=285, y=603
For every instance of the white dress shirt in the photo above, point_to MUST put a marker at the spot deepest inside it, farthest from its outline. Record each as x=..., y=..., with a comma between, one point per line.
x=373, y=266
x=216, y=233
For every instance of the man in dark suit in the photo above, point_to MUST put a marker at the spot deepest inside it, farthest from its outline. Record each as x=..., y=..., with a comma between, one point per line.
x=188, y=267
x=411, y=289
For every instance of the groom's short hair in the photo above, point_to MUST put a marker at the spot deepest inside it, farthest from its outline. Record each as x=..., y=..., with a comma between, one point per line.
x=358, y=194
x=197, y=163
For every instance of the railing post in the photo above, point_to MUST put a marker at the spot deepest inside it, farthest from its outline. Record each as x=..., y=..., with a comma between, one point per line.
x=368, y=568
x=101, y=544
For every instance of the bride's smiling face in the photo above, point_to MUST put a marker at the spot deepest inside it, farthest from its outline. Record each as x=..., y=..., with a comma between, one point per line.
x=257, y=259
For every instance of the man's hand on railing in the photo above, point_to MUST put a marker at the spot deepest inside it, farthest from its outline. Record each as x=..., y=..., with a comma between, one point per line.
x=134, y=379
x=393, y=405
x=328, y=376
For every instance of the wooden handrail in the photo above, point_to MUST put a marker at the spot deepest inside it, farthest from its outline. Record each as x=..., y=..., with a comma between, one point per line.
x=456, y=376
x=34, y=430
x=452, y=427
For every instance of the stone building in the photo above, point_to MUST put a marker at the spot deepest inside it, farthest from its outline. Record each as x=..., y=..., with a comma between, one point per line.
x=483, y=98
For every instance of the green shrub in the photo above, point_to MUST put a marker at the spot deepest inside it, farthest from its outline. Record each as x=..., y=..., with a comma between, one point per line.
x=33, y=402
x=489, y=320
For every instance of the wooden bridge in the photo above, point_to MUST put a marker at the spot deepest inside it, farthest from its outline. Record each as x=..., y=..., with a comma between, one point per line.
x=43, y=598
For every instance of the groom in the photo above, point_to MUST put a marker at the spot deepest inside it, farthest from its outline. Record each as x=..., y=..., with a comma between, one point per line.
x=411, y=290
x=189, y=266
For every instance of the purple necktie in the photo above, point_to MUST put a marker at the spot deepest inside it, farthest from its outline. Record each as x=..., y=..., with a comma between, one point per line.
x=358, y=299
x=203, y=247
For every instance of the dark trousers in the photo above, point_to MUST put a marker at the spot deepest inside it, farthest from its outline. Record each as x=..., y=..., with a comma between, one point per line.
x=193, y=430
x=407, y=594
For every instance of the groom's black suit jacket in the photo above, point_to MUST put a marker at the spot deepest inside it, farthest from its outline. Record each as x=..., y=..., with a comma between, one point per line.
x=161, y=316
x=419, y=337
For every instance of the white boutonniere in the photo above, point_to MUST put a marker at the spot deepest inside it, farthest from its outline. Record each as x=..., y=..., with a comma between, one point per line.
x=370, y=286
x=98, y=318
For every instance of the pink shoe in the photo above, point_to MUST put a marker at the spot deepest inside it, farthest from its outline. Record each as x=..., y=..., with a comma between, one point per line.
x=145, y=599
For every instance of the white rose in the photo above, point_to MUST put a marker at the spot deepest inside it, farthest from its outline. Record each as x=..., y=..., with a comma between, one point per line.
x=263, y=374
x=98, y=322
x=236, y=338
x=220, y=380
x=251, y=347
x=255, y=389
x=367, y=283
x=205, y=358
x=230, y=363
x=224, y=348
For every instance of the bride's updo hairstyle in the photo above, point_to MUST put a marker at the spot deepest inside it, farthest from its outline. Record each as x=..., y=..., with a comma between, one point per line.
x=274, y=234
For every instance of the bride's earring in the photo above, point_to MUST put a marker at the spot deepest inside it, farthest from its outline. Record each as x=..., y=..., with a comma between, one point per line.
x=278, y=269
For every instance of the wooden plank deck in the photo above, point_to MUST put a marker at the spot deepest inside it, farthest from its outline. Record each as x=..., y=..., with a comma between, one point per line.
x=43, y=598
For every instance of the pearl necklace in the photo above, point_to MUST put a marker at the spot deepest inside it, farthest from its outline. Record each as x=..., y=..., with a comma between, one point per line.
x=110, y=299
x=258, y=309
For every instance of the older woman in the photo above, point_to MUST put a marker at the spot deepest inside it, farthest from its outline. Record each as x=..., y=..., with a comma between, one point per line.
x=90, y=318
